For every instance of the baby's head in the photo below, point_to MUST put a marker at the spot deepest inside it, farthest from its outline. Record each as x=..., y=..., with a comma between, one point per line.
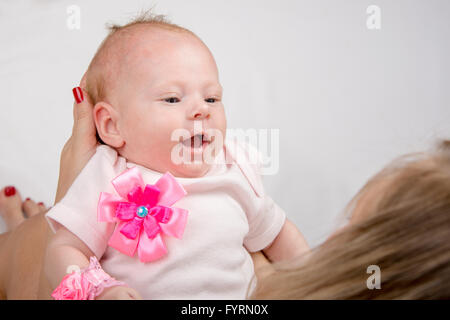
x=148, y=80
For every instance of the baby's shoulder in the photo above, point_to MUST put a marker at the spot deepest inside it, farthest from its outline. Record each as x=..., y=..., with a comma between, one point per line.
x=249, y=160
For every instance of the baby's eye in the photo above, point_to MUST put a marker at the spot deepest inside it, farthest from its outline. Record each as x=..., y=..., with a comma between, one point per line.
x=172, y=100
x=211, y=100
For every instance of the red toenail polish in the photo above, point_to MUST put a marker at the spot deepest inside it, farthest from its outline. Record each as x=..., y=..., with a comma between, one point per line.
x=78, y=94
x=10, y=191
x=41, y=203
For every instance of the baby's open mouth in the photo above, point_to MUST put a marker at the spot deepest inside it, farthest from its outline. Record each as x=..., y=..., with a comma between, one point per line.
x=197, y=142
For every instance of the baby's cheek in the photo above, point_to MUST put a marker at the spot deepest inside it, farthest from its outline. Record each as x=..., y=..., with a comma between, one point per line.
x=218, y=114
x=220, y=123
x=159, y=137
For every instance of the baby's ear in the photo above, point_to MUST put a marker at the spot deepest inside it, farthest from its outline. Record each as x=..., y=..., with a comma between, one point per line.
x=105, y=117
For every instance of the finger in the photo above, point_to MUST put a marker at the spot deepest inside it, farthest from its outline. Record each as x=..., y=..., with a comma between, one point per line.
x=135, y=295
x=83, y=81
x=82, y=113
x=124, y=295
x=82, y=108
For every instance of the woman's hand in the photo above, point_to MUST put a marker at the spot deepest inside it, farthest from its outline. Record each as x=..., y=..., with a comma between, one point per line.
x=80, y=147
x=119, y=293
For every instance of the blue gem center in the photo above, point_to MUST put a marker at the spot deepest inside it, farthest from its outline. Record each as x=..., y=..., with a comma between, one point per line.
x=142, y=211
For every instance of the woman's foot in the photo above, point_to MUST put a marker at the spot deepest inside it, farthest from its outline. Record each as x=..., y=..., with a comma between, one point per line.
x=11, y=207
x=13, y=211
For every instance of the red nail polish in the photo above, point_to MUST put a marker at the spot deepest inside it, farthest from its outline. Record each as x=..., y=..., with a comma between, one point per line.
x=10, y=191
x=78, y=94
x=27, y=199
x=40, y=203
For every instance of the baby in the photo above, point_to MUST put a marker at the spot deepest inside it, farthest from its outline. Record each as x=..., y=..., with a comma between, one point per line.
x=148, y=80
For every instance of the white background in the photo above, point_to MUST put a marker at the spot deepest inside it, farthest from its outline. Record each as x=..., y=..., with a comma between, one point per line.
x=346, y=99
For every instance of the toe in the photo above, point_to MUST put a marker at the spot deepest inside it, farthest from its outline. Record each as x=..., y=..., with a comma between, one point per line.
x=30, y=208
x=11, y=207
x=42, y=206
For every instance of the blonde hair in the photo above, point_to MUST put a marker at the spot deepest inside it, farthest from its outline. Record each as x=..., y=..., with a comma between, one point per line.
x=401, y=224
x=99, y=74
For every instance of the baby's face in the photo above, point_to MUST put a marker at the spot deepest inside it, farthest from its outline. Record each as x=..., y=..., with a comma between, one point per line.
x=168, y=81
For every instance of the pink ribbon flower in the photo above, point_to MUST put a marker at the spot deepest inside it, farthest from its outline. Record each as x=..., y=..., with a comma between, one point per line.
x=142, y=213
x=74, y=286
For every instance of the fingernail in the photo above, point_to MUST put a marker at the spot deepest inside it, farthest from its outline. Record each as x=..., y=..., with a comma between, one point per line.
x=27, y=199
x=78, y=94
x=10, y=191
x=40, y=203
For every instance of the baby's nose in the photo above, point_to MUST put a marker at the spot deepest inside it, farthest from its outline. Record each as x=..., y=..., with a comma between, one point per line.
x=200, y=115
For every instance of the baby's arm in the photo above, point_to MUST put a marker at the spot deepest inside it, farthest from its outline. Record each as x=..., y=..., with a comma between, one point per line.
x=65, y=250
x=289, y=244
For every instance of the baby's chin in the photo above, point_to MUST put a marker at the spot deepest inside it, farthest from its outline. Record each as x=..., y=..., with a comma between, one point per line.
x=190, y=170
x=191, y=162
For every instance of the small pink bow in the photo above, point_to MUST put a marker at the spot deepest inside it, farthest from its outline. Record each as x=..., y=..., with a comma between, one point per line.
x=142, y=213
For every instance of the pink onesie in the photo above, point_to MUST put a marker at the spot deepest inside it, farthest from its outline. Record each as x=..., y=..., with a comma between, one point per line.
x=229, y=216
